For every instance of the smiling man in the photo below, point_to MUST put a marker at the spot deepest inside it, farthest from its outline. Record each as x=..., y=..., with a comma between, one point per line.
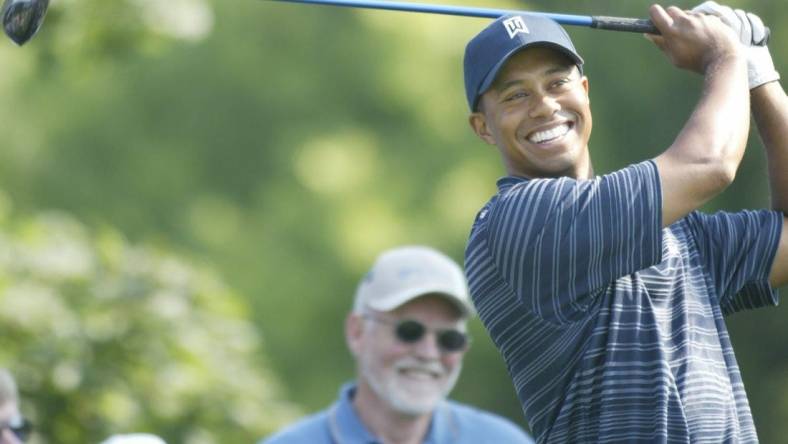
x=606, y=294
x=407, y=332
x=549, y=138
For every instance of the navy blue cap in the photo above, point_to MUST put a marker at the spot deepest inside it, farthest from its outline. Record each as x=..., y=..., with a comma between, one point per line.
x=486, y=53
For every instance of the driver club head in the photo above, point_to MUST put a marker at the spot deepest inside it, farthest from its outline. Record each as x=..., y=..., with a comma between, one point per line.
x=22, y=18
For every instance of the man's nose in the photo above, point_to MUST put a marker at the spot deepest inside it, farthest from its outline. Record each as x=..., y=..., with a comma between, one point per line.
x=544, y=106
x=427, y=347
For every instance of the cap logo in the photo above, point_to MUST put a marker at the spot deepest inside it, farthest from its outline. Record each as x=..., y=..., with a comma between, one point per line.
x=514, y=26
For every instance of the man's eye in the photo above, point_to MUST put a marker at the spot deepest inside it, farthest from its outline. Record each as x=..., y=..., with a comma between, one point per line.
x=515, y=96
x=560, y=82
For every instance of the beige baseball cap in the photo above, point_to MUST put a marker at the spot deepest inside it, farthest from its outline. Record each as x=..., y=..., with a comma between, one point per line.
x=402, y=274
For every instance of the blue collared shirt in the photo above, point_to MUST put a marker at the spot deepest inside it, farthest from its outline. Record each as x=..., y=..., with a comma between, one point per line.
x=452, y=423
x=612, y=326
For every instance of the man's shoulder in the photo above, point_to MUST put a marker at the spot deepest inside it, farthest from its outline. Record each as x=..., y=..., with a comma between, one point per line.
x=312, y=429
x=492, y=427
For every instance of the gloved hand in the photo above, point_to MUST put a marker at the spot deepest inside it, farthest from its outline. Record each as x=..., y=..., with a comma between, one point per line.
x=751, y=32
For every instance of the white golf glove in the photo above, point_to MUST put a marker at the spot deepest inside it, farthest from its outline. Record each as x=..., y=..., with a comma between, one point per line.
x=751, y=32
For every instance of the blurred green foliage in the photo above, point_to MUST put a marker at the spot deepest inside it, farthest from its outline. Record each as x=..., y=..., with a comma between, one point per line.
x=106, y=336
x=286, y=145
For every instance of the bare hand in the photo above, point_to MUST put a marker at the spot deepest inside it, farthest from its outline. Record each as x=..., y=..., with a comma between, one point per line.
x=691, y=40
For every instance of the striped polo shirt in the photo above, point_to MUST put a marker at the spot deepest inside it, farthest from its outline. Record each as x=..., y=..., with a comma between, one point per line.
x=612, y=327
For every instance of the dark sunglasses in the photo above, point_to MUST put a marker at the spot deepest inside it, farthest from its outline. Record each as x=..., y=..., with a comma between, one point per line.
x=20, y=427
x=410, y=331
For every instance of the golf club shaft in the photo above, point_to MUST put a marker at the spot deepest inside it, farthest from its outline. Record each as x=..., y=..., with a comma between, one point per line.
x=600, y=22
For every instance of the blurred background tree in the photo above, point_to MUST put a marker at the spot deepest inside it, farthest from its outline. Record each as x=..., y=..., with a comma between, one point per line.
x=105, y=336
x=284, y=146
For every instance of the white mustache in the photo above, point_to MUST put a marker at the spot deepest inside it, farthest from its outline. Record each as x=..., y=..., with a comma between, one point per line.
x=409, y=363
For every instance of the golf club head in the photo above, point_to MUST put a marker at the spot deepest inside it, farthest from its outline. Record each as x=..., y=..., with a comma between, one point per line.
x=22, y=18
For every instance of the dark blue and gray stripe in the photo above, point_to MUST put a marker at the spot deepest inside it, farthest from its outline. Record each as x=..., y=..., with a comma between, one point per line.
x=611, y=327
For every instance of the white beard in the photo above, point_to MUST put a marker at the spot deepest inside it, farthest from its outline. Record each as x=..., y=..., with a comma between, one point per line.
x=409, y=397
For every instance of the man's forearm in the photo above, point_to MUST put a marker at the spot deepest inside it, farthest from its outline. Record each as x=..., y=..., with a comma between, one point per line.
x=718, y=127
x=770, y=110
x=703, y=159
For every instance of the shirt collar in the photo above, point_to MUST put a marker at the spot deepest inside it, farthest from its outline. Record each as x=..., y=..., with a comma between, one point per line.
x=347, y=428
x=504, y=183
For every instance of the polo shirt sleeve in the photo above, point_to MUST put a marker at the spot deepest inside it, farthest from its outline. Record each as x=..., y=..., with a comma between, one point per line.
x=559, y=242
x=737, y=251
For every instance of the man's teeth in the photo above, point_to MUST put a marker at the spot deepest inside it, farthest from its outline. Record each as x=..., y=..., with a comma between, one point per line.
x=553, y=133
x=418, y=373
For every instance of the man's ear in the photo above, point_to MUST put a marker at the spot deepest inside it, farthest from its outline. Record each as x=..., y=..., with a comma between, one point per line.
x=478, y=122
x=586, y=86
x=354, y=327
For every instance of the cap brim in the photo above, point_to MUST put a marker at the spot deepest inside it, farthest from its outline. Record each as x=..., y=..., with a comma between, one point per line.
x=399, y=299
x=490, y=77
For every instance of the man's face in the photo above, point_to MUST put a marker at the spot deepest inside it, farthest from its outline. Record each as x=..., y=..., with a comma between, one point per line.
x=412, y=378
x=538, y=114
x=9, y=412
